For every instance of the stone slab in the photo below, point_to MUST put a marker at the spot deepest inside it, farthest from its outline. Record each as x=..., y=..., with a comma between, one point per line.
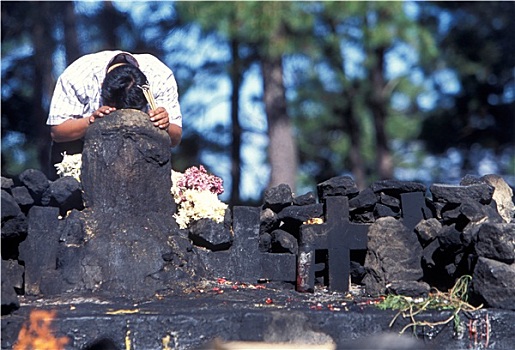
x=233, y=312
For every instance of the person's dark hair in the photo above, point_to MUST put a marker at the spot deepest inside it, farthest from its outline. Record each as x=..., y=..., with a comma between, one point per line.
x=120, y=88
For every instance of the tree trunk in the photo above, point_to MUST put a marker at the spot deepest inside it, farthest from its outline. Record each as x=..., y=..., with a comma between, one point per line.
x=384, y=161
x=351, y=123
x=282, y=150
x=235, y=124
x=71, y=44
x=110, y=25
x=355, y=153
x=43, y=49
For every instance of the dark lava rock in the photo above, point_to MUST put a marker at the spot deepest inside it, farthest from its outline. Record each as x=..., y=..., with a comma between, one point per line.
x=6, y=183
x=428, y=230
x=22, y=196
x=277, y=198
x=134, y=172
x=125, y=242
x=481, y=193
x=10, y=207
x=412, y=289
x=450, y=239
x=366, y=199
x=265, y=242
x=381, y=210
x=210, y=234
x=14, y=222
x=300, y=214
x=428, y=253
x=305, y=199
x=284, y=242
x=10, y=300
x=39, y=250
x=390, y=201
x=65, y=193
x=394, y=254
x=72, y=229
x=494, y=283
x=475, y=212
x=497, y=242
x=337, y=186
x=269, y=220
x=396, y=187
x=36, y=182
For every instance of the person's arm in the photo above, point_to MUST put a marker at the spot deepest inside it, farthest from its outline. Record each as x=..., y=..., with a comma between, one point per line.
x=164, y=88
x=70, y=130
x=175, y=133
x=159, y=117
x=74, y=129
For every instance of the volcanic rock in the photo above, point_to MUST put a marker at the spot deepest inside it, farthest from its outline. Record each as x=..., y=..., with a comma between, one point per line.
x=36, y=182
x=390, y=201
x=39, y=250
x=269, y=220
x=366, y=199
x=428, y=230
x=428, y=253
x=277, y=198
x=412, y=289
x=65, y=193
x=381, y=210
x=299, y=214
x=210, y=234
x=450, y=239
x=10, y=300
x=503, y=197
x=305, y=199
x=494, y=283
x=14, y=222
x=283, y=242
x=497, y=242
x=10, y=207
x=337, y=186
x=22, y=196
x=396, y=187
x=265, y=242
x=394, y=254
x=6, y=183
x=481, y=193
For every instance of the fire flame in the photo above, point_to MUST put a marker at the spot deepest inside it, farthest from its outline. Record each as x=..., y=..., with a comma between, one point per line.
x=37, y=333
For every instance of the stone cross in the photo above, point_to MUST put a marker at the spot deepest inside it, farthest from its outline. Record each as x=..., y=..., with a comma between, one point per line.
x=414, y=209
x=338, y=236
x=243, y=261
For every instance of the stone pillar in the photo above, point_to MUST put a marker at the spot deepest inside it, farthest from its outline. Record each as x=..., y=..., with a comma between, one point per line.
x=130, y=244
x=126, y=166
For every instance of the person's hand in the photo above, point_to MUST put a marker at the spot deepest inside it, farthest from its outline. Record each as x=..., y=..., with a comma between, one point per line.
x=100, y=113
x=159, y=117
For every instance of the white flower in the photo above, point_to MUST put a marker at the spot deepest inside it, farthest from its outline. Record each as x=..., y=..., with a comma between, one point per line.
x=70, y=166
x=198, y=205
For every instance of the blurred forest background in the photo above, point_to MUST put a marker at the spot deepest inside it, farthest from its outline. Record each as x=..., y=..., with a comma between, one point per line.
x=289, y=92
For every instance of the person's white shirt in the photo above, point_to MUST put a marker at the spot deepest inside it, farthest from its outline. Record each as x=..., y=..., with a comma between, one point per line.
x=77, y=91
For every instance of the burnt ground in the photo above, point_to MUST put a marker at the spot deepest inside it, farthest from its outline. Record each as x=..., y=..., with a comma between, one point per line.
x=226, y=312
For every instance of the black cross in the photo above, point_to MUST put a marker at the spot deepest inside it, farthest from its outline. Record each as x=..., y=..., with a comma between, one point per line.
x=249, y=263
x=414, y=209
x=339, y=236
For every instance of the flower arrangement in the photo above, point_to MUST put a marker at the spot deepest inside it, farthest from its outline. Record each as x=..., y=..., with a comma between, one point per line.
x=70, y=165
x=196, y=195
x=195, y=192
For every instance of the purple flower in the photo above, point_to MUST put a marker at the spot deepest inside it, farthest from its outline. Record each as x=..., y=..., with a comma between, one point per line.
x=198, y=179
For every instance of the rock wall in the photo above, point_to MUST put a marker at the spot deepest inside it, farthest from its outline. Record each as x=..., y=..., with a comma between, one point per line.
x=114, y=233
